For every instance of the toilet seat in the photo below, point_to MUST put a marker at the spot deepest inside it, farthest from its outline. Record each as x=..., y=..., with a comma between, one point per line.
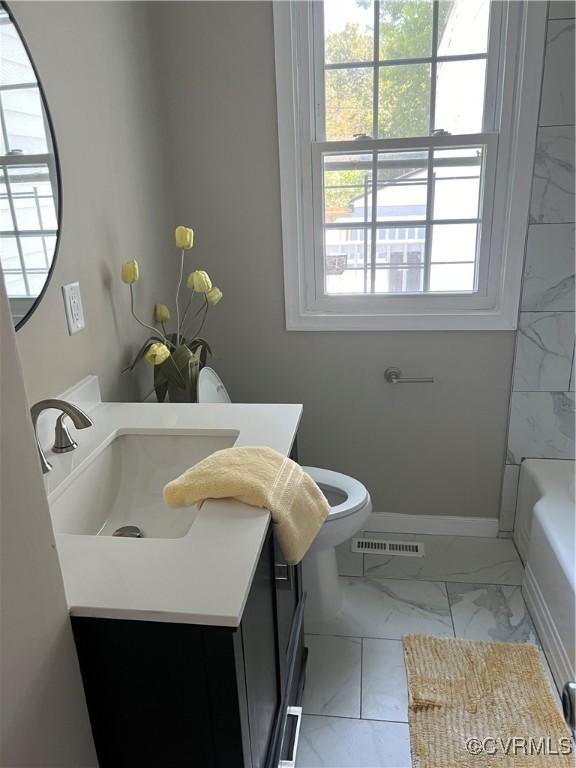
x=356, y=493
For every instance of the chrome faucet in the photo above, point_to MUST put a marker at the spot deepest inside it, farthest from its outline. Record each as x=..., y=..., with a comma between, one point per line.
x=63, y=441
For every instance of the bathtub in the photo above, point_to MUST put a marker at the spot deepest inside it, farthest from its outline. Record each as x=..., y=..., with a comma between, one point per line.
x=544, y=533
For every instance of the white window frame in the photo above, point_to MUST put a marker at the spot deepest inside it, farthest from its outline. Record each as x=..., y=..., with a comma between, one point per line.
x=508, y=171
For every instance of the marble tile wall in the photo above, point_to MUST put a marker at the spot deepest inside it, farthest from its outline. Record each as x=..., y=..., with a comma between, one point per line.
x=542, y=404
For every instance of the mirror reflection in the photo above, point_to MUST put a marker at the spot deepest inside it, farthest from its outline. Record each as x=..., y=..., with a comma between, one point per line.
x=28, y=176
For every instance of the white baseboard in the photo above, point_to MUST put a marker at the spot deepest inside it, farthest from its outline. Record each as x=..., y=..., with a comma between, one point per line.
x=440, y=525
x=554, y=649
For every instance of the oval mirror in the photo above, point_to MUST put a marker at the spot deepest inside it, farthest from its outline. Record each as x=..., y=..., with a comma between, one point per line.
x=29, y=177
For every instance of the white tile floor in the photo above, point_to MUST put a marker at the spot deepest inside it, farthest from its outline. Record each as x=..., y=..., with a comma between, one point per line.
x=356, y=700
x=388, y=608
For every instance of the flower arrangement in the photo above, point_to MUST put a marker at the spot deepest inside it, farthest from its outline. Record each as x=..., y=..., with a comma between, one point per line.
x=177, y=359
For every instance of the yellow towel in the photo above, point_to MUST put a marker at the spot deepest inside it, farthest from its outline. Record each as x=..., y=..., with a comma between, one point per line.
x=263, y=478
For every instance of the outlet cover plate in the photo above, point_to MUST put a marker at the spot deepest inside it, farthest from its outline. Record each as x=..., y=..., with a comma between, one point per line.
x=73, y=307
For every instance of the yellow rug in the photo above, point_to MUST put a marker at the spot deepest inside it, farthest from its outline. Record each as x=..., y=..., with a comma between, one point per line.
x=482, y=705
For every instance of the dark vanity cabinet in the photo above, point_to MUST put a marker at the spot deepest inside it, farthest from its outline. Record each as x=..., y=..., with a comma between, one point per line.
x=177, y=695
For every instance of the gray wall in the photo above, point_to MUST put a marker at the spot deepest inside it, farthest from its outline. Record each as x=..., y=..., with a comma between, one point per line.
x=44, y=721
x=542, y=403
x=94, y=61
x=421, y=450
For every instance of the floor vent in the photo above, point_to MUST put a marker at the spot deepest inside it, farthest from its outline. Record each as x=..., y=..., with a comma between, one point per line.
x=381, y=547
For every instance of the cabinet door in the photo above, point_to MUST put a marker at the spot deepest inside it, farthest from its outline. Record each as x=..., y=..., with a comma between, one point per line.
x=287, y=587
x=146, y=686
x=261, y=667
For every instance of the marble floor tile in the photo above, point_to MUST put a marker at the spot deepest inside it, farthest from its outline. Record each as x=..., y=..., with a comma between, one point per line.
x=490, y=613
x=557, y=105
x=549, y=271
x=544, y=351
x=553, y=182
x=333, y=676
x=384, y=685
x=541, y=426
x=336, y=742
x=349, y=563
x=450, y=558
x=384, y=608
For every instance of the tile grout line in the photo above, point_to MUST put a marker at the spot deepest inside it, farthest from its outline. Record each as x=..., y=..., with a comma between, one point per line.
x=442, y=581
x=439, y=580
x=361, y=673
x=355, y=637
x=358, y=720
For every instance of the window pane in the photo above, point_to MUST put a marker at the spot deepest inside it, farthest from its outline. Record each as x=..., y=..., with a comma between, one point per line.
x=454, y=242
x=457, y=183
x=463, y=27
x=452, y=277
x=460, y=96
x=37, y=251
x=347, y=260
x=15, y=65
x=31, y=190
x=36, y=281
x=9, y=257
x=15, y=285
x=405, y=29
x=24, y=120
x=6, y=222
x=404, y=100
x=349, y=99
x=400, y=279
x=347, y=188
x=348, y=31
x=402, y=185
x=399, y=260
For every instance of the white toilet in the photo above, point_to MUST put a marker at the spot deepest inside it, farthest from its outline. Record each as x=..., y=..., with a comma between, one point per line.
x=350, y=506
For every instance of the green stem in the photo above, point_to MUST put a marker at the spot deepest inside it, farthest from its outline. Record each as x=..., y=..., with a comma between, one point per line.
x=206, y=306
x=186, y=311
x=144, y=325
x=198, y=311
x=178, y=297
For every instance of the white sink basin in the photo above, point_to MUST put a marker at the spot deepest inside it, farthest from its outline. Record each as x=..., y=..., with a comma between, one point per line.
x=122, y=484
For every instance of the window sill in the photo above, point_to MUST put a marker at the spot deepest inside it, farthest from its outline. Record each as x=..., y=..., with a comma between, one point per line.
x=480, y=320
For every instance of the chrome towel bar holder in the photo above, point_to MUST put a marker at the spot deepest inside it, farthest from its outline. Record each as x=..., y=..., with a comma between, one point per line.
x=393, y=375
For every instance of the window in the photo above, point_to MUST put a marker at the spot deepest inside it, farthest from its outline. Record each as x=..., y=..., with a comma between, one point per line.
x=28, y=218
x=398, y=141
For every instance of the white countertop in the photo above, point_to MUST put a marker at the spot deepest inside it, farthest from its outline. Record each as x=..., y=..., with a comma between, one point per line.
x=203, y=577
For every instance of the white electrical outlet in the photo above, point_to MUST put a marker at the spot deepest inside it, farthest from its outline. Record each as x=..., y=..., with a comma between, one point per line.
x=73, y=307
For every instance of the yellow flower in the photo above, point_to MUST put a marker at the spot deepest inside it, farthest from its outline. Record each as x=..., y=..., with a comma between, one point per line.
x=214, y=295
x=199, y=281
x=130, y=272
x=161, y=313
x=184, y=237
x=157, y=353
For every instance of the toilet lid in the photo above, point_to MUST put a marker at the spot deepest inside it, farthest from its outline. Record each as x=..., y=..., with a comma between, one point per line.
x=210, y=387
x=356, y=493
